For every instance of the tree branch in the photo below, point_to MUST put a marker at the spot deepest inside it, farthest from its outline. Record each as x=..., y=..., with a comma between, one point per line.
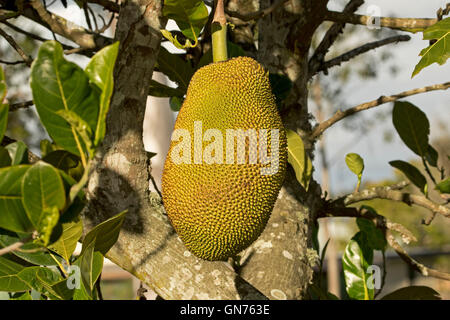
x=336, y=209
x=16, y=47
x=20, y=105
x=329, y=38
x=425, y=271
x=404, y=24
x=108, y=5
x=389, y=194
x=258, y=14
x=84, y=38
x=15, y=246
x=339, y=115
x=360, y=50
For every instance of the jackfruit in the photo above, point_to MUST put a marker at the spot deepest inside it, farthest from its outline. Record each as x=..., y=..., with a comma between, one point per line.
x=217, y=197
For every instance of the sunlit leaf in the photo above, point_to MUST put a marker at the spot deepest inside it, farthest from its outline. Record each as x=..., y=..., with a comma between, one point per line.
x=18, y=152
x=105, y=234
x=444, y=186
x=58, y=84
x=100, y=71
x=189, y=15
x=42, y=189
x=439, y=51
x=12, y=213
x=9, y=280
x=298, y=158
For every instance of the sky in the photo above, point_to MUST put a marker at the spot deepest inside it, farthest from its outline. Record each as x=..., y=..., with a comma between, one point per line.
x=371, y=145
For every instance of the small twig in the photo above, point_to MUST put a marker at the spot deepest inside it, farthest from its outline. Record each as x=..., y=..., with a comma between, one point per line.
x=425, y=271
x=339, y=115
x=405, y=24
x=16, y=47
x=360, y=50
x=256, y=15
x=11, y=63
x=20, y=105
x=108, y=5
x=389, y=194
x=15, y=246
x=329, y=38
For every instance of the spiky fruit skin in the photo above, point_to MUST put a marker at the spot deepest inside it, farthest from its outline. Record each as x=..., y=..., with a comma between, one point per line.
x=220, y=209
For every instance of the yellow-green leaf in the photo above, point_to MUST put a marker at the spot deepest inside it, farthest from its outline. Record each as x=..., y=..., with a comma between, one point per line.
x=298, y=158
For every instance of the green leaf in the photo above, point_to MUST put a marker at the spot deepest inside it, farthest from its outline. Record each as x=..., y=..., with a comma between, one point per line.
x=3, y=118
x=12, y=213
x=355, y=263
x=355, y=163
x=62, y=160
x=80, y=126
x=58, y=84
x=412, y=125
x=413, y=293
x=105, y=234
x=42, y=189
x=30, y=252
x=444, y=186
x=174, y=40
x=189, y=15
x=411, y=172
x=161, y=90
x=9, y=280
x=48, y=222
x=47, y=146
x=439, y=51
x=174, y=67
x=41, y=279
x=375, y=237
x=100, y=71
x=67, y=242
x=18, y=152
x=3, y=90
x=176, y=103
x=91, y=264
x=432, y=156
x=298, y=158
x=5, y=159
x=61, y=291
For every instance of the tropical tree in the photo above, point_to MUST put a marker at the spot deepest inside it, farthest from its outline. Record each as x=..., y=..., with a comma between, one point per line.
x=90, y=183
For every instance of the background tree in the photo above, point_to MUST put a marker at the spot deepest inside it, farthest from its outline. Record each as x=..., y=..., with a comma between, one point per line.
x=279, y=34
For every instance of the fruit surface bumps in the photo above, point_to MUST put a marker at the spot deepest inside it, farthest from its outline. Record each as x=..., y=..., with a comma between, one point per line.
x=220, y=209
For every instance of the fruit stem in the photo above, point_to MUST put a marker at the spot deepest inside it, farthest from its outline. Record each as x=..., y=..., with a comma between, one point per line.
x=219, y=33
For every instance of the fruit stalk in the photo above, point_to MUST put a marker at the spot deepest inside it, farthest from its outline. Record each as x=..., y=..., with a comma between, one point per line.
x=219, y=33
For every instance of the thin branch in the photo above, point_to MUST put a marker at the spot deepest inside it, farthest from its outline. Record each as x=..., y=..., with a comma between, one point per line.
x=395, y=195
x=329, y=38
x=15, y=246
x=404, y=24
x=360, y=50
x=339, y=115
x=258, y=14
x=16, y=47
x=65, y=28
x=336, y=209
x=12, y=62
x=108, y=5
x=425, y=271
x=20, y=105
